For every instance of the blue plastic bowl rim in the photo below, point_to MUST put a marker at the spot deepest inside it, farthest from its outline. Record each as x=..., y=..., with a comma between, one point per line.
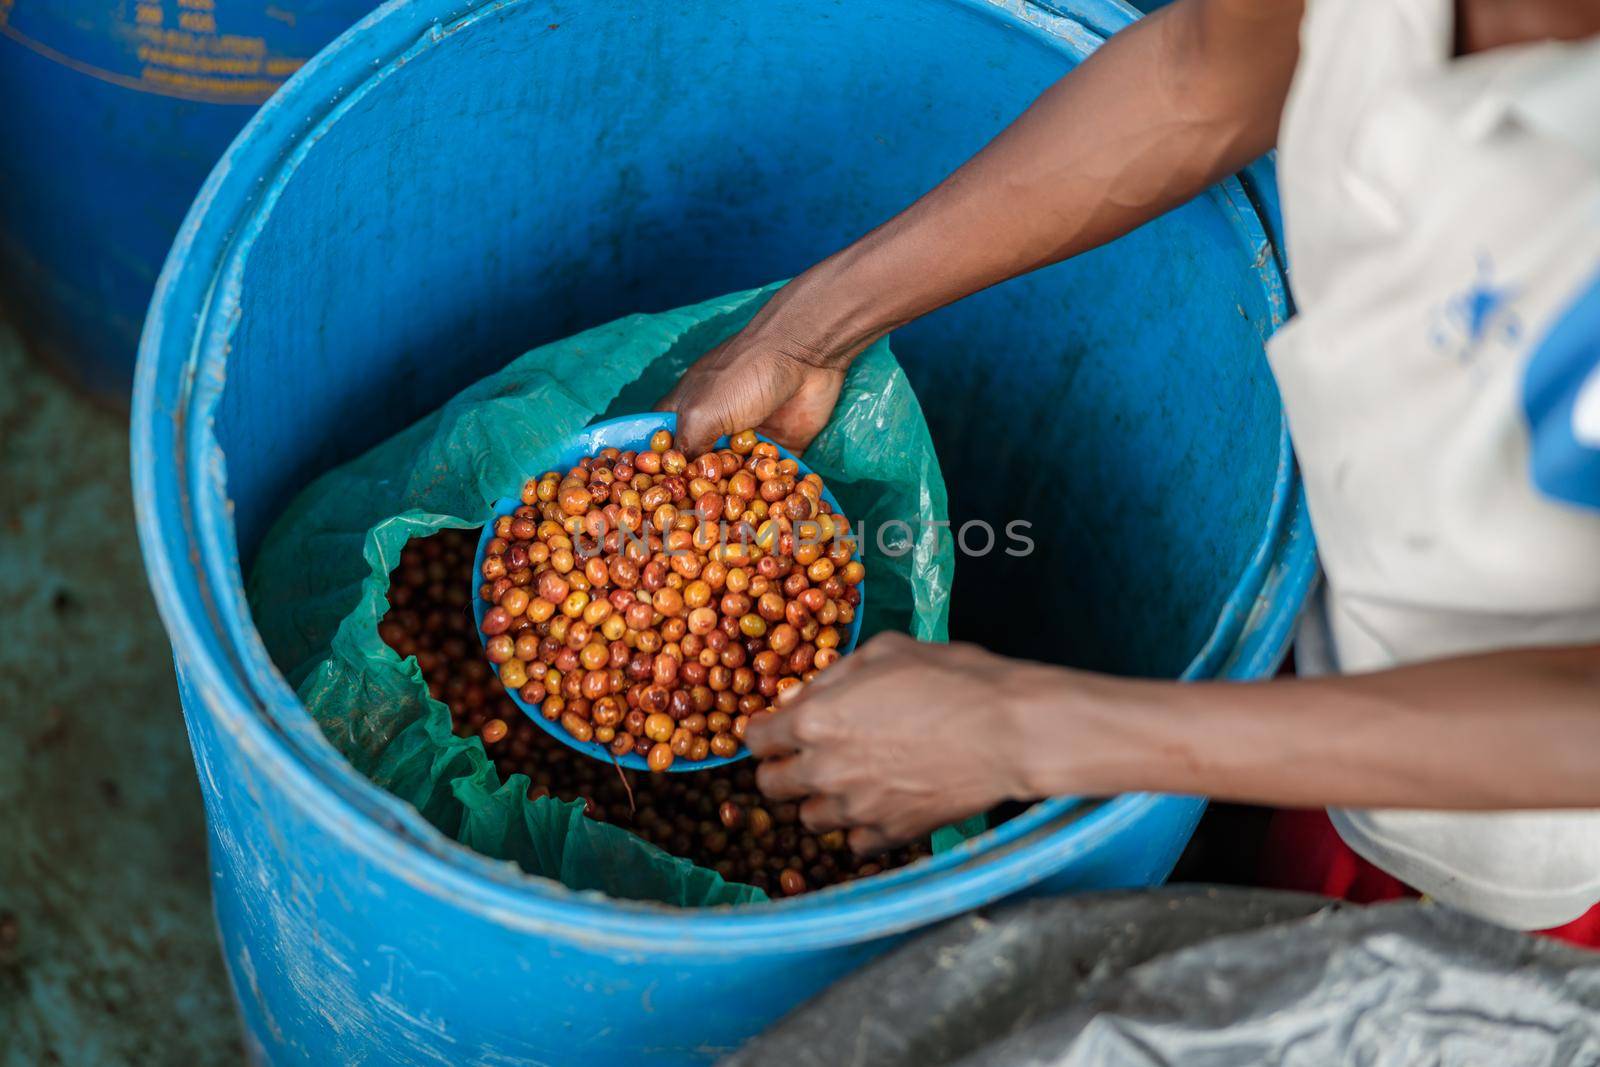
x=625, y=432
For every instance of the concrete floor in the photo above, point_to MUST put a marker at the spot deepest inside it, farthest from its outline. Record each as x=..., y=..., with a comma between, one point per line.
x=108, y=949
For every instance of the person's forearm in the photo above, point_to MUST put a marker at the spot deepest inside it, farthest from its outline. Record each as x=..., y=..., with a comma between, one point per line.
x=1502, y=731
x=1164, y=109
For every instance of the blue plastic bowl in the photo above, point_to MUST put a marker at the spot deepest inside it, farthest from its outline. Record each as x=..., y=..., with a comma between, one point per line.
x=627, y=432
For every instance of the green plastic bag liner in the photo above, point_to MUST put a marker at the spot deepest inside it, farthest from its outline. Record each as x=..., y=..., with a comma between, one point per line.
x=320, y=584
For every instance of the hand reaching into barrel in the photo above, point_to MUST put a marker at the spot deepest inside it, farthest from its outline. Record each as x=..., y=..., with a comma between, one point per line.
x=896, y=740
x=781, y=374
x=900, y=738
x=775, y=385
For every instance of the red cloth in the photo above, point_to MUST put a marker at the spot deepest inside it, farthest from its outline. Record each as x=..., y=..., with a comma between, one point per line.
x=1304, y=852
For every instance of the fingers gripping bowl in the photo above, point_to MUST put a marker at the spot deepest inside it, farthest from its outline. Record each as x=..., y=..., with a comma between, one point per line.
x=642, y=605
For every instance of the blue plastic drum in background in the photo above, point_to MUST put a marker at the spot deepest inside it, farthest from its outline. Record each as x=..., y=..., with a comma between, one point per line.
x=625, y=433
x=118, y=112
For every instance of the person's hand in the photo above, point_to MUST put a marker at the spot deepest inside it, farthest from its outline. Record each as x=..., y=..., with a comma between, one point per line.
x=750, y=381
x=895, y=740
x=780, y=375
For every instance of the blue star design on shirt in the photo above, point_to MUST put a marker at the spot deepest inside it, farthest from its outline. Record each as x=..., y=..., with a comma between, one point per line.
x=1480, y=313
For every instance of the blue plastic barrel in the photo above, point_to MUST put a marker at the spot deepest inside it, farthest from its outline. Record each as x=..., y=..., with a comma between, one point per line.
x=456, y=181
x=114, y=113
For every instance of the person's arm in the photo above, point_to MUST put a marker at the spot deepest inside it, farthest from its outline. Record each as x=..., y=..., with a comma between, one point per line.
x=1163, y=110
x=901, y=737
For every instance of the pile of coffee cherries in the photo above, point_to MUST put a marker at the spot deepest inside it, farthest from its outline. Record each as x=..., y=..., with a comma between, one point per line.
x=715, y=817
x=655, y=603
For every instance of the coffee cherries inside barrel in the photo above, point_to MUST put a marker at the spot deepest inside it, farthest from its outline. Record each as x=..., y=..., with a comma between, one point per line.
x=690, y=589
x=716, y=818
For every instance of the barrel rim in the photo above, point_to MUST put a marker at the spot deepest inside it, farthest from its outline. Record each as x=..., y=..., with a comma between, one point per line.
x=186, y=534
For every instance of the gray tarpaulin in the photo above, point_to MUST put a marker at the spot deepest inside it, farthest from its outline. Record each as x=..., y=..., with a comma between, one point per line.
x=1224, y=977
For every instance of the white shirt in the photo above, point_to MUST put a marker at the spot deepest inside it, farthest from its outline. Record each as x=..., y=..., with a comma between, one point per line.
x=1442, y=384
